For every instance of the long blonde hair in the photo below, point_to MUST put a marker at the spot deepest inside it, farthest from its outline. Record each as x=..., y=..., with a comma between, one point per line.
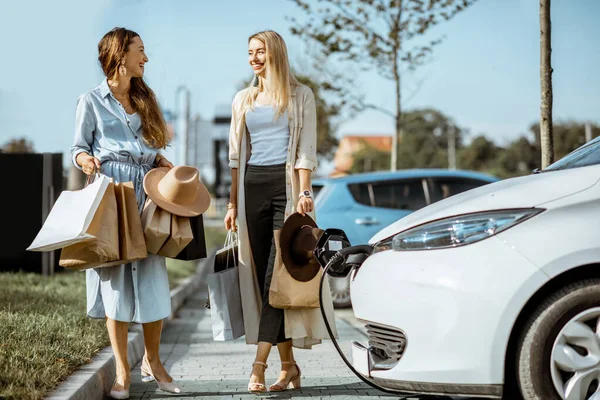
x=111, y=50
x=279, y=78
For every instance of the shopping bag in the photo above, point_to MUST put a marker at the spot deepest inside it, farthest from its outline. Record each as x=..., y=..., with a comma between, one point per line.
x=132, y=244
x=104, y=247
x=70, y=218
x=286, y=292
x=226, y=257
x=224, y=293
x=196, y=249
x=181, y=234
x=156, y=224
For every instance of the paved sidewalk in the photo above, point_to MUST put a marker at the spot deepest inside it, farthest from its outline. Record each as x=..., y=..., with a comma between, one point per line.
x=220, y=370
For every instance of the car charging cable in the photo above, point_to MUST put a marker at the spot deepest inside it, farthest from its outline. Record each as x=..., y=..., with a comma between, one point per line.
x=344, y=261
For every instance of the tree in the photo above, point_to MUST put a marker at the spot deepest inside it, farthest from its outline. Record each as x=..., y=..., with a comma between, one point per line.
x=20, y=145
x=520, y=157
x=326, y=114
x=377, y=34
x=369, y=159
x=426, y=143
x=546, y=84
x=480, y=155
x=569, y=135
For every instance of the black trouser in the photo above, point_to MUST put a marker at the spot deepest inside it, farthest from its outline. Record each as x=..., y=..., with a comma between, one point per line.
x=265, y=198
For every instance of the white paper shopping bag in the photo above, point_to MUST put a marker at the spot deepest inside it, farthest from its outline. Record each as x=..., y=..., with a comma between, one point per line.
x=70, y=217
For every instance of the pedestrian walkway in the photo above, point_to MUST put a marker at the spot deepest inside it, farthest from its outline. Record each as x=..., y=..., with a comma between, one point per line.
x=220, y=370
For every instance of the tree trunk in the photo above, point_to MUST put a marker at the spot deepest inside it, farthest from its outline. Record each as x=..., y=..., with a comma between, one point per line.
x=397, y=138
x=546, y=139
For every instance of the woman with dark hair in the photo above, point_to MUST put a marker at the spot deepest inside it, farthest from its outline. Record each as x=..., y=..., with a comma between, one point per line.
x=119, y=130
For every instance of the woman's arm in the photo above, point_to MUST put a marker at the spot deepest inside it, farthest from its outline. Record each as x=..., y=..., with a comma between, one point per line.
x=234, y=162
x=234, y=186
x=306, y=152
x=81, y=150
x=305, y=204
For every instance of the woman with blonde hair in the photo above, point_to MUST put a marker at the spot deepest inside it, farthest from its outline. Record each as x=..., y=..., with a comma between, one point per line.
x=272, y=153
x=119, y=130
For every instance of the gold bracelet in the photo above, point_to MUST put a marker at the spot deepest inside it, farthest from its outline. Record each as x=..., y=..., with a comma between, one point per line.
x=231, y=206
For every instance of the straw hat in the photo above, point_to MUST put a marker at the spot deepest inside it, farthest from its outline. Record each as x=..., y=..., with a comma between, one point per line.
x=298, y=240
x=177, y=190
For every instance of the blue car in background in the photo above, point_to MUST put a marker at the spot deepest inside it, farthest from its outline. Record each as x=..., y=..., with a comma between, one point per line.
x=363, y=204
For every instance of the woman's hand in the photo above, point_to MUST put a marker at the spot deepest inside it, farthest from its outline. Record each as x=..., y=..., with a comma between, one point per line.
x=230, y=220
x=89, y=164
x=305, y=204
x=163, y=162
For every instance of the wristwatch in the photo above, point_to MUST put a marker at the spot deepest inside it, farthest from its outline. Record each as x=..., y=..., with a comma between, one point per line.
x=306, y=194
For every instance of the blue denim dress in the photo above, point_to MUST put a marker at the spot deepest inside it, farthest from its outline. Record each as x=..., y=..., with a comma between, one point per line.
x=137, y=291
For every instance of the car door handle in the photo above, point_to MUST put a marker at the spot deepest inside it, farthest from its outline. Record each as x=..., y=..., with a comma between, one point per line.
x=366, y=221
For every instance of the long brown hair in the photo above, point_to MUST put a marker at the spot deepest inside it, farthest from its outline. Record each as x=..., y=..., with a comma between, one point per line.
x=111, y=51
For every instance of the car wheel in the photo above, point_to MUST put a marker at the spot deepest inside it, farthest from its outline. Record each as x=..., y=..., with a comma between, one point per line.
x=558, y=354
x=340, y=291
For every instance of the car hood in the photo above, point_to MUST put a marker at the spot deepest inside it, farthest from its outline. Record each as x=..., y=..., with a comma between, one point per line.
x=522, y=192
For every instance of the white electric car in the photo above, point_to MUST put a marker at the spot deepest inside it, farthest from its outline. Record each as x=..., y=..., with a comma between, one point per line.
x=491, y=292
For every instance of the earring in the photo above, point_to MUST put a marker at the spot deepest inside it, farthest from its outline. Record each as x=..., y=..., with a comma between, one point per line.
x=255, y=83
x=122, y=70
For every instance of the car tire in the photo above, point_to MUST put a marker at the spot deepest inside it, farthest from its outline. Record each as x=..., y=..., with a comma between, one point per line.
x=340, y=291
x=535, y=362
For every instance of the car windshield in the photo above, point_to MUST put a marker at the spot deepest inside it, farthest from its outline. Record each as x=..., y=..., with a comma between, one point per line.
x=587, y=154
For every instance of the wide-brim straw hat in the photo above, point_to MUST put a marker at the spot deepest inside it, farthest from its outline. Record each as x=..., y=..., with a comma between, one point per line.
x=177, y=190
x=298, y=239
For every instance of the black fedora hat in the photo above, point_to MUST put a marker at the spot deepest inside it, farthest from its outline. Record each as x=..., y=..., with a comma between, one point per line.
x=298, y=239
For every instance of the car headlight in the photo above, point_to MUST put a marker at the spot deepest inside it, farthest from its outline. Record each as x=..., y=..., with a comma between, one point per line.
x=456, y=231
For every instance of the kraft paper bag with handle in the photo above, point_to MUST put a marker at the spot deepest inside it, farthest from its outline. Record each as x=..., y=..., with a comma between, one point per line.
x=286, y=292
x=70, y=218
x=132, y=245
x=104, y=227
x=156, y=224
x=181, y=235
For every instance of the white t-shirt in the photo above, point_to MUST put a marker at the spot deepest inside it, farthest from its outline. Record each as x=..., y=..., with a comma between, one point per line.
x=269, y=137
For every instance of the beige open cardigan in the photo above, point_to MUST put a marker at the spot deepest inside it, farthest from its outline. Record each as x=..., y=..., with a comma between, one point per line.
x=305, y=327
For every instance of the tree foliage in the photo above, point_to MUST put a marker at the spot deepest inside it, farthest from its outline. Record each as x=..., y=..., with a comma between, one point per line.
x=327, y=112
x=377, y=34
x=18, y=145
x=425, y=146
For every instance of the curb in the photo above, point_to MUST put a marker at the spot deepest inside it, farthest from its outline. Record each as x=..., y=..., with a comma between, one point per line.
x=93, y=381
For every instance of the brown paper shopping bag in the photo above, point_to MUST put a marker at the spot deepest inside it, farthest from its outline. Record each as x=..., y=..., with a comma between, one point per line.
x=105, y=228
x=156, y=224
x=181, y=235
x=286, y=292
x=132, y=245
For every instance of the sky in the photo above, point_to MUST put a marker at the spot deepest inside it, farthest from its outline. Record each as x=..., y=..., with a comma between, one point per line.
x=485, y=74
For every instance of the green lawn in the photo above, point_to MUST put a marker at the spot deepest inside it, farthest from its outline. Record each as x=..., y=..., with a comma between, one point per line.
x=45, y=334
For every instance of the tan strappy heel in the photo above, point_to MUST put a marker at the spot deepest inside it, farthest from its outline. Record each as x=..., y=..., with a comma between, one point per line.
x=292, y=383
x=257, y=387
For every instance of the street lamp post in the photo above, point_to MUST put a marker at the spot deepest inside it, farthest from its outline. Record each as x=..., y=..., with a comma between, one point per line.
x=183, y=150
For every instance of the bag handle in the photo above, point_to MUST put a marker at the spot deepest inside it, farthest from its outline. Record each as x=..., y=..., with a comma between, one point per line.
x=231, y=240
x=89, y=179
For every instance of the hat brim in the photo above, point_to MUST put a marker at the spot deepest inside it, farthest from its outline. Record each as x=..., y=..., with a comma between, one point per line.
x=292, y=225
x=197, y=207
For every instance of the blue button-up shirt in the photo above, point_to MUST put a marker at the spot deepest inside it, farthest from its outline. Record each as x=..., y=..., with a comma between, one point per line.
x=103, y=129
